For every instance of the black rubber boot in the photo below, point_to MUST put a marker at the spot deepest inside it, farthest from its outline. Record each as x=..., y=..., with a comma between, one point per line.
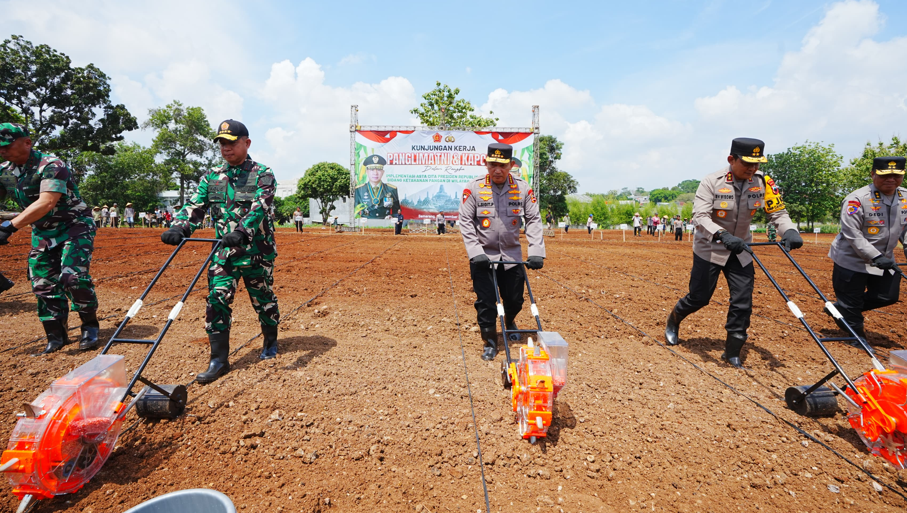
x=511, y=325
x=732, y=347
x=269, y=347
x=490, y=337
x=220, y=358
x=672, y=328
x=57, y=336
x=90, y=328
x=5, y=283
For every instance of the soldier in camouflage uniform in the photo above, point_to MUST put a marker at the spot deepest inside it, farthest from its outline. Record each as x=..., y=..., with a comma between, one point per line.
x=238, y=197
x=62, y=236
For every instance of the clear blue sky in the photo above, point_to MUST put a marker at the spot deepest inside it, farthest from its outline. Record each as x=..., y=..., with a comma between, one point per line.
x=642, y=93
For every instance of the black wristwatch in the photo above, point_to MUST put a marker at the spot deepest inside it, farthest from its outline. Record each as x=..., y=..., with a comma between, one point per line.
x=9, y=226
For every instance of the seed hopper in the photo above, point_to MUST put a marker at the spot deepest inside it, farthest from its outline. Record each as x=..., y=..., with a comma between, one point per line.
x=876, y=400
x=64, y=437
x=540, y=372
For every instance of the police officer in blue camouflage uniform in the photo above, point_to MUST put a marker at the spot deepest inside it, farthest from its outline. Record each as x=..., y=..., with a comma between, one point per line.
x=238, y=196
x=62, y=237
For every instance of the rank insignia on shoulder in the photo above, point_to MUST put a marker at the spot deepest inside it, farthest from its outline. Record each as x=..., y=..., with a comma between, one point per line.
x=466, y=194
x=729, y=177
x=486, y=223
x=877, y=195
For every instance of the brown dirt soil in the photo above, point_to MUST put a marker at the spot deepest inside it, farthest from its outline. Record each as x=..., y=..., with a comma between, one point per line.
x=366, y=407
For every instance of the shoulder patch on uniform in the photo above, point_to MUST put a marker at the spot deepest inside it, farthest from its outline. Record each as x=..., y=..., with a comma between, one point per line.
x=531, y=195
x=266, y=180
x=853, y=207
x=466, y=194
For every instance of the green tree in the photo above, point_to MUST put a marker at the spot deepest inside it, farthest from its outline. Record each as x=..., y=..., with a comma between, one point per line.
x=663, y=196
x=129, y=175
x=808, y=175
x=441, y=107
x=857, y=174
x=688, y=186
x=184, y=141
x=325, y=182
x=66, y=109
x=285, y=207
x=554, y=184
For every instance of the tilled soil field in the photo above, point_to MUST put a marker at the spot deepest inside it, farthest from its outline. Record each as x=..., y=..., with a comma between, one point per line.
x=369, y=405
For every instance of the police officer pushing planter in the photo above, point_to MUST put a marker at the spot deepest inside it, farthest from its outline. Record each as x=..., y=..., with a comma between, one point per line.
x=873, y=219
x=238, y=196
x=490, y=226
x=723, y=209
x=62, y=236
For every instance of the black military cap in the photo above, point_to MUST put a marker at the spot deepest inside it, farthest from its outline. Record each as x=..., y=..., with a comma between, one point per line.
x=517, y=162
x=750, y=150
x=888, y=165
x=231, y=130
x=498, y=152
x=374, y=161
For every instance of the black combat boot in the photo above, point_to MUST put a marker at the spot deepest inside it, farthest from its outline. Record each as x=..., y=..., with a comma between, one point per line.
x=220, y=358
x=90, y=327
x=490, y=337
x=511, y=325
x=269, y=347
x=5, y=284
x=732, y=347
x=57, y=336
x=672, y=328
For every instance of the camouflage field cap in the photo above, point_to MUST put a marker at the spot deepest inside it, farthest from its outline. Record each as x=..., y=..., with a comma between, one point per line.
x=9, y=132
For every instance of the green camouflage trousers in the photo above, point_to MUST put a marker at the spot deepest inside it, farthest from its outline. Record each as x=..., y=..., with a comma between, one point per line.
x=222, y=279
x=59, y=274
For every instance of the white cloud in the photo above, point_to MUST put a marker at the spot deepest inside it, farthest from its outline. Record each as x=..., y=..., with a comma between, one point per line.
x=311, y=119
x=126, y=39
x=840, y=86
x=601, y=143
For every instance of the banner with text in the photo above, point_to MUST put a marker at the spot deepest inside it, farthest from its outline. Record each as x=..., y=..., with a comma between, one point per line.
x=423, y=173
